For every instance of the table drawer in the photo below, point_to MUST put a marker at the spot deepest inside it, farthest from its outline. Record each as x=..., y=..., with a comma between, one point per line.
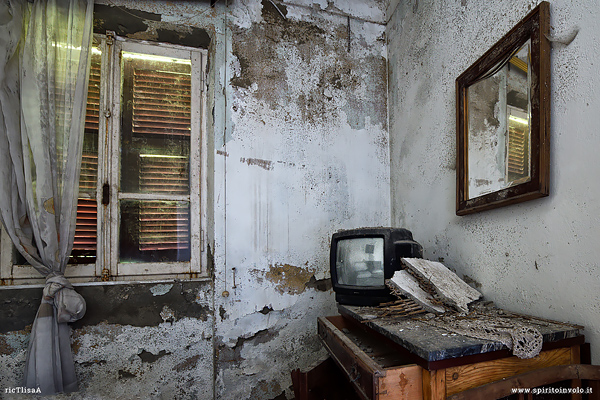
x=376, y=371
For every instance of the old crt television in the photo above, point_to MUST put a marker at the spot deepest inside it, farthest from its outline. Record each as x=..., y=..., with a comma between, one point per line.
x=362, y=259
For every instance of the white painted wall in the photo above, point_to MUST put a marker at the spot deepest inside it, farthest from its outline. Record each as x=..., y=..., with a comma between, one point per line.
x=304, y=154
x=541, y=257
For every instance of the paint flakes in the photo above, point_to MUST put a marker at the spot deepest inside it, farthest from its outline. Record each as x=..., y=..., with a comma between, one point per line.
x=161, y=290
x=167, y=314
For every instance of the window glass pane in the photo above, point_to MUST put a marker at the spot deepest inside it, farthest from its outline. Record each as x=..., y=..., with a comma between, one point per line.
x=154, y=231
x=155, y=124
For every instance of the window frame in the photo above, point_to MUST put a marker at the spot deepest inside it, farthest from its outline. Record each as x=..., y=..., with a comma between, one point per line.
x=107, y=266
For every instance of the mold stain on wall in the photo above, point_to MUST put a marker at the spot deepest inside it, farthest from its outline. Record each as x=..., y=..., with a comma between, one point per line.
x=269, y=51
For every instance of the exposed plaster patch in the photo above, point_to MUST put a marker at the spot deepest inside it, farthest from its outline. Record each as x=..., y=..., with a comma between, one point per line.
x=121, y=20
x=272, y=11
x=161, y=290
x=188, y=363
x=75, y=345
x=266, y=389
x=5, y=349
x=266, y=309
x=289, y=278
x=295, y=346
x=259, y=56
x=125, y=374
x=148, y=357
x=166, y=361
x=228, y=353
x=143, y=25
x=93, y=362
x=222, y=312
x=302, y=71
x=262, y=336
x=322, y=285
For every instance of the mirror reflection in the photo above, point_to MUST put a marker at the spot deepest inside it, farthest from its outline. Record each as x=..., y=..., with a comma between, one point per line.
x=499, y=119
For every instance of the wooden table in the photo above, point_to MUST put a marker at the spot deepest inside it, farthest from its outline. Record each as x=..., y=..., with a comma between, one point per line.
x=387, y=357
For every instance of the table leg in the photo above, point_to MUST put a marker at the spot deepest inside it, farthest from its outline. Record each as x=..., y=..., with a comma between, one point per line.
x=575, y=359
x=434, y=384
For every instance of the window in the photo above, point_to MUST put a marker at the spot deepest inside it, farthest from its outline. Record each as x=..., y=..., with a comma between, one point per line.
x=142, y=205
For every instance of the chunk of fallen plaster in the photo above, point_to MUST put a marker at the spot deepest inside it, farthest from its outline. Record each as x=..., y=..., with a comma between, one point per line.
x=450, y=289
x=404, y=283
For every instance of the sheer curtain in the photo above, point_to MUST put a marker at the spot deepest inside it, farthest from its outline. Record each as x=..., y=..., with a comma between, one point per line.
x=45, y=51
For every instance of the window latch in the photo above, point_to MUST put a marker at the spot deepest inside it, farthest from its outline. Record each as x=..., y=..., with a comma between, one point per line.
x=105, y=194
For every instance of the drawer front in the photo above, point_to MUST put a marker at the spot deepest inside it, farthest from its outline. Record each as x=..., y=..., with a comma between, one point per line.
x=472, y=375
x=361, y=370
x=404, y=383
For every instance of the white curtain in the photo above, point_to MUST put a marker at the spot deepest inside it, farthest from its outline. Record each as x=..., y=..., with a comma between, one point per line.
x=45, y=55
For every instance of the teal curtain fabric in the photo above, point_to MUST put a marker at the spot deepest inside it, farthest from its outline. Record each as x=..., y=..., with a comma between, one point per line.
x=43, y=92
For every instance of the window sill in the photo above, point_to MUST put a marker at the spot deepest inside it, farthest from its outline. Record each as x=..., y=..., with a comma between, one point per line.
x=39, y=283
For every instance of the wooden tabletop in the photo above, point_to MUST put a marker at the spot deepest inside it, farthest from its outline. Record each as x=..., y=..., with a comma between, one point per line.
x=433, y=344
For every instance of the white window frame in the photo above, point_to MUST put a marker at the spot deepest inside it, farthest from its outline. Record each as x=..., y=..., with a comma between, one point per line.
x=107, y=266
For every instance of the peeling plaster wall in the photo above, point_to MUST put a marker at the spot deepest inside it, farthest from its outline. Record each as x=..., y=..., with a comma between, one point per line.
x=539, y=257
x=136, y=340
x=298, y=148
x=305, y=154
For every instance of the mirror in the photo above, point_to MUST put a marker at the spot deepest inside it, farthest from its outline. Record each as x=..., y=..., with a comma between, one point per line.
x=503, y=120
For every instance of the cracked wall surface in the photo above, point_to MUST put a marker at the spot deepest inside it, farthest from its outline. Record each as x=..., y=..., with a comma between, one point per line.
x=521, y=254
x=298, y=149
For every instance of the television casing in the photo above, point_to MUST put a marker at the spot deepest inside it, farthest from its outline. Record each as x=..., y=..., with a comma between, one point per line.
x=397, y=243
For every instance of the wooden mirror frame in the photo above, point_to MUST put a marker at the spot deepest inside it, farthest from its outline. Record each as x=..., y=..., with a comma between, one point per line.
x=534, y=26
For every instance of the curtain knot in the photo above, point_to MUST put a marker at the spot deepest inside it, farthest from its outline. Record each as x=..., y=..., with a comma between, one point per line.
x=70, y=305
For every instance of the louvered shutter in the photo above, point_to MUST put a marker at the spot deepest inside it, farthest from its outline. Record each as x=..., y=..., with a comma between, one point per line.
x=85, y=243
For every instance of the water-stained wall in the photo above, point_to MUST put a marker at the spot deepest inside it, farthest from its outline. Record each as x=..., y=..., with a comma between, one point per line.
x=305, y=154
x=298, y=149
x=540, y=257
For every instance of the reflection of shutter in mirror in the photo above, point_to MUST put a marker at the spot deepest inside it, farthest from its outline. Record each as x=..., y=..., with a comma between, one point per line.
x=518, y=136
x=517, y=146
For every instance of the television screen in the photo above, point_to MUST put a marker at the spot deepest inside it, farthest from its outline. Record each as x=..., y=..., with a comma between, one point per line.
x=362, y=259
x=359, y=262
